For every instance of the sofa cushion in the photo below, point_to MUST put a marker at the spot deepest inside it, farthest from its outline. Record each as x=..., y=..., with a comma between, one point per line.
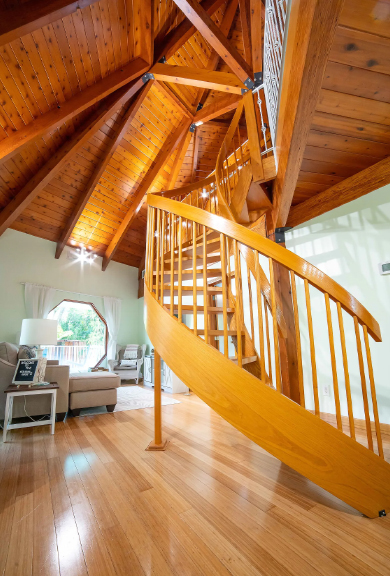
x=9, y=352
x=93, y=381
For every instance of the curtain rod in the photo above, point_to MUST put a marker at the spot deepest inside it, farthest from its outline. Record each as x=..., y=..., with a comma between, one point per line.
x=69, y=291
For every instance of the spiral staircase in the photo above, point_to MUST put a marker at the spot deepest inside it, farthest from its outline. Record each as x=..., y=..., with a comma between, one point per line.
x=217, y=316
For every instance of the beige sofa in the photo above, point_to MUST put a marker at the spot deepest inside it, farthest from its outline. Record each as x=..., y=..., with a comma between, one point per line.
x=35, y=405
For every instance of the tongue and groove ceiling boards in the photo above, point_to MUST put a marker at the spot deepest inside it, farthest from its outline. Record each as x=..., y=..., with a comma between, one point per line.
x=339, y=147
x=83, y=136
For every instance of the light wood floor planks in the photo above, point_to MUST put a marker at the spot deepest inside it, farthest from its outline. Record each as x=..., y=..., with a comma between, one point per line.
x=91, y=501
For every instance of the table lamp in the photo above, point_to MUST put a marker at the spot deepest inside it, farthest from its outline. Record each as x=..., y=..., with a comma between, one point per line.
x=39, y=332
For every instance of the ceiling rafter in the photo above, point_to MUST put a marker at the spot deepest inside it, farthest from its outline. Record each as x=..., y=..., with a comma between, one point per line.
x=224, y=104
x=351, y=188
x=80, y=102
x=64, y=154
x=210, y=31
x=128, y=116
x=178, y=162
x=179, y=35
x=35, y=14
x=222, y=81
x=146, y=183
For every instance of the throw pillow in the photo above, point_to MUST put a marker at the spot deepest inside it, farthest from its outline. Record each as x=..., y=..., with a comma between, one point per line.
x=128, y=363
x=26, y=353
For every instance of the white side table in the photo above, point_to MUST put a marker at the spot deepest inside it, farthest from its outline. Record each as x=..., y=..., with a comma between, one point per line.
x=25, y=390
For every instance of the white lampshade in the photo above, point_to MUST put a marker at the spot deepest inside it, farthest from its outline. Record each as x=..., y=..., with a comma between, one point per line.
x=38, y=332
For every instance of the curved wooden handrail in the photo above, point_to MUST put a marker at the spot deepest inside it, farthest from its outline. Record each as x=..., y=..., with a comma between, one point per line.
x=184, y=190
x=298, y=265
x=292, y=434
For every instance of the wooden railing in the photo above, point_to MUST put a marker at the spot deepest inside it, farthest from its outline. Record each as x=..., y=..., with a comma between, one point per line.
x=195, y=266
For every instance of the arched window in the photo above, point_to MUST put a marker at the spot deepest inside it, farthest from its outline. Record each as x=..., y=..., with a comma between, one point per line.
x=82, y=335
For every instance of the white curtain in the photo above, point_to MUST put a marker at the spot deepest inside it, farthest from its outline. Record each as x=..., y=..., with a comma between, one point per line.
x=112, y=307
x=38, y=300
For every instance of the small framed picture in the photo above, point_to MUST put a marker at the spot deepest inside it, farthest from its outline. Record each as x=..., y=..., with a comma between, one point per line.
x=26, y=372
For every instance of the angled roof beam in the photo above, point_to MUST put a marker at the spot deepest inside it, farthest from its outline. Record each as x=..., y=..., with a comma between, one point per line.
x=310, y=36
x=210, y=31
x=48, y=171
x=351, y=188
x=224, y=104
x=81, y=101
x=16, y=22
x=223, y=81
x=195, y=154
x=130, y=113
x=256, y=22
x=152, y=174
x=245, y=19
x=226, y=24
x=177, y=37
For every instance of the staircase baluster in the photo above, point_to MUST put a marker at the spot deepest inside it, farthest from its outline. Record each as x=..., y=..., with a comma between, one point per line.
x=346, y=372
x=266, y=309
x=222, y=243
x=158, y=236
x=250, y=303
x=275, y=326
x=373, y=393
x=173, y=220
x=179, y=276
x=297, y=339
x=364, y=385
x=194, y=281
x=260, y=316
x=151, y=266
x=333, y=363
x=312, y=350
x=205, y=312
x=147, y=252
x=163, y=235
x=237, y=276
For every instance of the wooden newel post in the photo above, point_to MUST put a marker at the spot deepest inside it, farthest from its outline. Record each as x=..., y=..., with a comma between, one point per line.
x=157, y=443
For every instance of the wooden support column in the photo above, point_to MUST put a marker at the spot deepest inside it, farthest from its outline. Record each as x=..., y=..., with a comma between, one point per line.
x=195, y=154
x=157, y=444
x=288, y=345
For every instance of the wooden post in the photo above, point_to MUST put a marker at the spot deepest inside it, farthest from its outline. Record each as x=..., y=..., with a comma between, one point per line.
x=157, y=444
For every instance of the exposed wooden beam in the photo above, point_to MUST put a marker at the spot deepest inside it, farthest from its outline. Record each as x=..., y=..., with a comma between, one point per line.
x=173, y=98
x=217, y=108
x=253, y=138
x=210, y=31
x=222, y=81
x=245, y=19
x=16, y=22
x=152, y=174
x=178, y=162
x=345, y=191
x=212, y=64
x=195, y=154
x=256, y=27
x=81, y=101
x=177, y=37
x=310, y=37
x=129, y=115
x=27, y=194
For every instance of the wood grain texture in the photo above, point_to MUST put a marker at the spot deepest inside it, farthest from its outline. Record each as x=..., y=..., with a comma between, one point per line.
x=309, y=41
x=269, y=248
x=223, y=81
x=307, y=444
x=217, y=108
x=345, y=191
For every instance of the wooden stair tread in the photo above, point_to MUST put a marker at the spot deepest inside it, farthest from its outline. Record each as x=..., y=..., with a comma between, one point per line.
x=245, y=360
x=214, y=289
x=190, y=309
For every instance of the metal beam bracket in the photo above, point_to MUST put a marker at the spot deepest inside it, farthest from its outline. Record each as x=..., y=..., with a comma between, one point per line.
x=243, y=91
x=147, y=76
x=200, y=106
x=192, y=127
x=280, y=237
x=249, y=83
x=258, y=79
x=163, y=60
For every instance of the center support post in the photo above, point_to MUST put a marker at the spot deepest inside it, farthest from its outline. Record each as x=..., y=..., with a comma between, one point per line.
x=158, y=444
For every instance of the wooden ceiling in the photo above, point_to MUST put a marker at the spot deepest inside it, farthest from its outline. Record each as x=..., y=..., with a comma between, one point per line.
x=84, y=135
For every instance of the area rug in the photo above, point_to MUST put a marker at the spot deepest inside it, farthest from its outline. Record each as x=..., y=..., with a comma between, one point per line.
x=130, y=398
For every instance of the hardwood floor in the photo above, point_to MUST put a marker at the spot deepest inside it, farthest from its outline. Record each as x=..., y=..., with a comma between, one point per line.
x=91, y=501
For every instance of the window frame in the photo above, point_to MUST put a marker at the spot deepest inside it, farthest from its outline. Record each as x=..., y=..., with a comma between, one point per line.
x=101, y=318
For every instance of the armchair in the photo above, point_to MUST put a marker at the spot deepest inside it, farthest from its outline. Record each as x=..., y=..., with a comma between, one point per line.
x=39, y=404
x=127, y=372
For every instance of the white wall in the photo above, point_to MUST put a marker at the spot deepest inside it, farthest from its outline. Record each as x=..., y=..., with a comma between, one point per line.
x=25, y=258
x=348, y=244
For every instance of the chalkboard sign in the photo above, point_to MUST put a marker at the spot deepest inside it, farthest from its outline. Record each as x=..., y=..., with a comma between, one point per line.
x=26, y=371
